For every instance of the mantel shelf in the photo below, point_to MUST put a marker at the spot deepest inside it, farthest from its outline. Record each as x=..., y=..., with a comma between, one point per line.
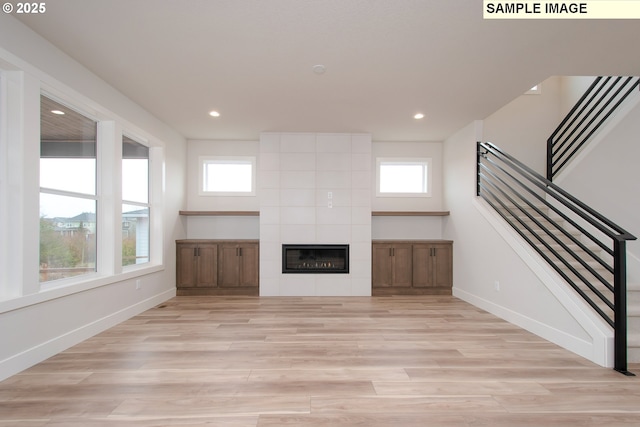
x=220, y=213
x=410, y=213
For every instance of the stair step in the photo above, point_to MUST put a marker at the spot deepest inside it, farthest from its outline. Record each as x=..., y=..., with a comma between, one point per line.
x=633, y=346
x=633, y=325
x=633, y=286
x=633, y=310
x=633, y=339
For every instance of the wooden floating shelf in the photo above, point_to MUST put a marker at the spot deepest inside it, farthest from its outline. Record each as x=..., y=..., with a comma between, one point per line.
x=220, y=213
x=410, y=213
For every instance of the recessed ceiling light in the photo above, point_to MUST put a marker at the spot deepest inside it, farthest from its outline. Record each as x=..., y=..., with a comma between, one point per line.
x=214, y=114
x=418, y=116
x=58, y=112
x=319, y=69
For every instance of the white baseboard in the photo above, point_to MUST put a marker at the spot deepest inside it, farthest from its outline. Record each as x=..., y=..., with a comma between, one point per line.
x=43, y=351
x=599, y=350
x=595, y=350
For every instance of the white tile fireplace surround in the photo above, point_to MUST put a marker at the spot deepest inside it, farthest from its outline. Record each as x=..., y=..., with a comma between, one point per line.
x=315, y=188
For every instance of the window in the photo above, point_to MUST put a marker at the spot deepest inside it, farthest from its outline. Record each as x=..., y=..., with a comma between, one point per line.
x=68, y=197
x=403, y=177
x=227, y=176
x=135, y=202
x=535, y=90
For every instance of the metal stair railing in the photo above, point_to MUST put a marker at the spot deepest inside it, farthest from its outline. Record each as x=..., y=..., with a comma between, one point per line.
x=586, y=117
x=586, y=249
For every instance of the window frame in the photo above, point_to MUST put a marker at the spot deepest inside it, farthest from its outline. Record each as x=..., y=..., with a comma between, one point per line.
x=95, y=197
x=204, y=160
x=143, y=205
x=21, y=86
x=425, y=162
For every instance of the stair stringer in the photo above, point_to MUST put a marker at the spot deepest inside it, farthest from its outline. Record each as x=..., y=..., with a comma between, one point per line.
x=600, y=348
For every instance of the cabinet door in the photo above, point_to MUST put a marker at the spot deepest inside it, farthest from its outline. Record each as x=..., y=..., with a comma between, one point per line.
x=401, y=261
x=228, y=265
x=186, y=268
x=432, y=265
x=249, y=265
x=442, y=265
x=381, y=265
x=207, y=259
x=422, y=265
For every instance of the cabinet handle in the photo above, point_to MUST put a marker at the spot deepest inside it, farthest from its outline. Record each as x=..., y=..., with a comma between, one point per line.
x=240, y=250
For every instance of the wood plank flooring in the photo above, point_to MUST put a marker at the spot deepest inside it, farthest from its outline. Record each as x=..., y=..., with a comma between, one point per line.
x=353, y=361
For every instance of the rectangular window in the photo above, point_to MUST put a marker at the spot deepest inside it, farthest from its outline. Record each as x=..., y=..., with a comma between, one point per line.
x=228, y=176
x=535, y=90
x=403, y=177
x=135, y=202
x=68, y=197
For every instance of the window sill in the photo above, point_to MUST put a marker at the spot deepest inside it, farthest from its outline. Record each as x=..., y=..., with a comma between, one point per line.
x=67, y=288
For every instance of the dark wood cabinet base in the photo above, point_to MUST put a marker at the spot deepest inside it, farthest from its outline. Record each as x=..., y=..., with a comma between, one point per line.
x=252, y=291
x=382, y=292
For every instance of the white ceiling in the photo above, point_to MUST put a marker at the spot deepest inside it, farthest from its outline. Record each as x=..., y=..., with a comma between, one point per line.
x=385, y=60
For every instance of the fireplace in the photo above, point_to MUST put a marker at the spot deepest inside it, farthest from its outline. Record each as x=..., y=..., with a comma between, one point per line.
x=315, y=259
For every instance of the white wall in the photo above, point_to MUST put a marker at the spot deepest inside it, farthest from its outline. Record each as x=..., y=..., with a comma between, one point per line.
x=198, y=148
x=431, y=150
x=486, y=252
x=571, y=90
x=521, y=128
x=220, y=227
x=36, y=325
x=410, y=228
x=605, y=176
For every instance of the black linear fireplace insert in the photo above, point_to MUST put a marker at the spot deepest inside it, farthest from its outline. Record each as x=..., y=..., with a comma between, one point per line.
x=315, y=259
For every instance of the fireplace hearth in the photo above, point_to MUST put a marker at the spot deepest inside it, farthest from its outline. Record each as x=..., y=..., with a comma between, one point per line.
x=318, y=259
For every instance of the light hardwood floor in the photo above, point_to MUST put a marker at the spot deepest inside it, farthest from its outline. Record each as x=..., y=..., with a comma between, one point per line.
x=353, y=361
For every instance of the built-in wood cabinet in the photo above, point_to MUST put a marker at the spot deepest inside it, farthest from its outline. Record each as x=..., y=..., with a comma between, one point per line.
x=217, y=267
x=412, y=267
x=238, y=265
x=196, y=265
x=391, y=265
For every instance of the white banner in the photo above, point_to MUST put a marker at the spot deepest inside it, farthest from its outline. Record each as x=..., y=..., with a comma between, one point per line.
x=586, y=9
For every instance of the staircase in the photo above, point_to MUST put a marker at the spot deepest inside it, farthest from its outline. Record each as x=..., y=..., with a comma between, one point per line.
x=633, y=289
x=586, y=249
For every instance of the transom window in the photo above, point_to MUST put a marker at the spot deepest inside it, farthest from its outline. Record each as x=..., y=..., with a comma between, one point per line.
x=227, y=176
x=403, y=177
